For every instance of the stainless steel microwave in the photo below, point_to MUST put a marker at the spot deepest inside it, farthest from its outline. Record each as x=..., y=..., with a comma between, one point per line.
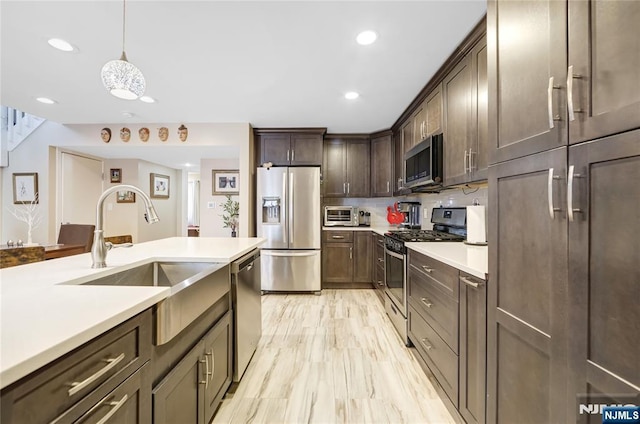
x=423, y=163
x=341, y=216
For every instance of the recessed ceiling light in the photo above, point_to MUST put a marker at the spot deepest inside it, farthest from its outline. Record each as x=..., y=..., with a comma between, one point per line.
x=45, y=100
x=351, y=95
x=366, y=37
x=147, y=99
x=60, y=44
x=127, y=114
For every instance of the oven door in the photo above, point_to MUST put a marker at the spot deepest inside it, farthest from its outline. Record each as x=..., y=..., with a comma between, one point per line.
x=396, y=283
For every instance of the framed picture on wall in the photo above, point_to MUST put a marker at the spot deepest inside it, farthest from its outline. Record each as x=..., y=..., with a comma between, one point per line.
x=25, y=188
x=225, y=181
x=159, y=186
x=126, y=196
x=116, y=175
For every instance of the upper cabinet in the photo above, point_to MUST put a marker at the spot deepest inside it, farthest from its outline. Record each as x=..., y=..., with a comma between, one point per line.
x=301, y=147
x=382, y=184
x=398, y=162
x=466, y=120
x=588, y=79
x=346, y=168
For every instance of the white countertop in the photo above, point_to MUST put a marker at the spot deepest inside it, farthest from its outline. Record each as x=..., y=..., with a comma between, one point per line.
x=45, y=314
x=470, y=259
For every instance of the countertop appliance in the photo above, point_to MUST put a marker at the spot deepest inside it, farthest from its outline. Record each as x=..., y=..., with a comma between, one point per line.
x=365, y=219
x=411, y=212
x=247, y=310
x=341, y=216
x=449, y=226
x=288, y=216
x=423, y=164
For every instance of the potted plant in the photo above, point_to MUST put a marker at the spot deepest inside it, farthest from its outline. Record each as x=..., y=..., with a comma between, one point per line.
x=231, y=213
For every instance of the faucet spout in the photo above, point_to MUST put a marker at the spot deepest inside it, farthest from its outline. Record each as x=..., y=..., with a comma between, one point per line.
x=99, y=248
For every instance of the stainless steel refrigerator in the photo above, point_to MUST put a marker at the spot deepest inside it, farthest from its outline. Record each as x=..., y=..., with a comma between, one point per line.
x=288, y=216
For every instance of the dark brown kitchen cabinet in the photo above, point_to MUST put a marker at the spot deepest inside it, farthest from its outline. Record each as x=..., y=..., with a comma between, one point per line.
x=294, y=148
x=527, y=297
x=473, y=348
x=71, y=386
x=398, y=163
x=346, y=258
x=194, y=388
x=378, y=265
x=433, y=106
x=406, y=130
x=362, y=247
x=604, y=276
x=382, y=166
x=603, y=70
x=466, y=119
x=347, y=167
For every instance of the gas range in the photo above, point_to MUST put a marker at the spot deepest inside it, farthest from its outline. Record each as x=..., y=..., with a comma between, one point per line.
x=395, y=240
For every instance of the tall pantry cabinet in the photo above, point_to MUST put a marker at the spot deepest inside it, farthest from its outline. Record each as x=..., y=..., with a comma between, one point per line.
x=564, y=112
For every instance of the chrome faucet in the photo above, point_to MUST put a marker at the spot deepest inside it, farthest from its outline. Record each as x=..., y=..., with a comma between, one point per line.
x=99, y=248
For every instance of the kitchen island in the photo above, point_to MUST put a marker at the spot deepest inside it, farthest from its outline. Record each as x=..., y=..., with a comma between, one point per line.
x=45, y=312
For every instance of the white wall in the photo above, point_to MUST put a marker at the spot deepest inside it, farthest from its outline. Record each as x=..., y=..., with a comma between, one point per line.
x=32, y=155
x=211, y=218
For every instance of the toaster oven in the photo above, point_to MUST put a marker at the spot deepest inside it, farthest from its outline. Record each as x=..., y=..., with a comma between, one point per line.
x=341, y=216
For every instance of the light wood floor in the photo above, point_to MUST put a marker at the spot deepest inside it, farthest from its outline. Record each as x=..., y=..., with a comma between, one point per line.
x=333, y=358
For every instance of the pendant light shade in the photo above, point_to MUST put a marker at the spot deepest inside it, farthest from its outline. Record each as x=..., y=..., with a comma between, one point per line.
x=122, y=78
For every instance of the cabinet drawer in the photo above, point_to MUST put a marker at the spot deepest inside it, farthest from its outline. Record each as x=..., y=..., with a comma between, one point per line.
x=442, y=274
x=337, y=236
x=105, y=361
x=435, y=306
x=442, y=361
x=378, y=278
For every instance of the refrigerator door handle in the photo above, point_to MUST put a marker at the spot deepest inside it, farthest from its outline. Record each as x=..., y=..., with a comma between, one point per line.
x=284, y=209
x=291, y=199
x=307, y=253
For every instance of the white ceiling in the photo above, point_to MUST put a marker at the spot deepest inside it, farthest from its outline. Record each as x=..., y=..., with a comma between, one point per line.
x=272, y=64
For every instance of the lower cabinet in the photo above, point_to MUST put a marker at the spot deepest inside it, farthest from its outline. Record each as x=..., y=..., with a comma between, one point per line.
x=378, y=265
x=346, y=257
x=194, y=388
x=448, y=327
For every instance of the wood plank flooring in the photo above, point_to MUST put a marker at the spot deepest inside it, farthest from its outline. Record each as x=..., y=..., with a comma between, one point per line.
x=333, y=358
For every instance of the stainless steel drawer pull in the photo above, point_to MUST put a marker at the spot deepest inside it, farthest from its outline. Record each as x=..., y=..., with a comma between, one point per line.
x=380, y=283
x=427, y=269
x=570, y=77
x=111, y=363
x=380, y=260
x=426, y=302
x=205, y=361
x=426, y=343
x=114, y=408
x=470, y=283
x=570, y=207
x=550, y=89
x=550, y=193
x=337, y=237
x=213, y=364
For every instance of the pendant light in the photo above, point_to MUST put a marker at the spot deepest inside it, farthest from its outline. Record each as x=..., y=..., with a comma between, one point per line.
x=122, y=78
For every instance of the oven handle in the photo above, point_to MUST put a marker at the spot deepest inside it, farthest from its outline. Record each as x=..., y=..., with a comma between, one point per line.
x=394, y=254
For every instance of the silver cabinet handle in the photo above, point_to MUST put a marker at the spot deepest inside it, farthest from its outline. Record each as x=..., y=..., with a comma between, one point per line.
x=344, y=188
x=293, y=155
x=380, y=283
x=550, y=193
x=550, y=89
x=114, y=408
x=570, y=77
x=426, y=302
x=471, y=164
x=470, y=283
x=427, y=269
x=351, y=253
x=111, y=363
x=337, y=237
x=205, y=361
x=380, y=260
x=213, y=363
x=570, y=208
x=287, y=155
x=292, y=216
x=424, y=343
x=465, y=161
x=348, y=188
x=387, y=186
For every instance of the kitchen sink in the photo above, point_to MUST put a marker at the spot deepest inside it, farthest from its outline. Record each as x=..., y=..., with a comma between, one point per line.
x=195, y=287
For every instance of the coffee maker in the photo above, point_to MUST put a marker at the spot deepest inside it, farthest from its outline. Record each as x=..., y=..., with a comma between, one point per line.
x=411, y=212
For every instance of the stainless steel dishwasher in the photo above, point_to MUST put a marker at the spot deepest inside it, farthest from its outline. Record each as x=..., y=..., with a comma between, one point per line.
x=247, y=307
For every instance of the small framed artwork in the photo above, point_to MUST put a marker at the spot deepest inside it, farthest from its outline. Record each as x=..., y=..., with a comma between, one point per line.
x=25, y=188
x=159, y=186
x=126, y=196
x=225, y=181
x=116, y=175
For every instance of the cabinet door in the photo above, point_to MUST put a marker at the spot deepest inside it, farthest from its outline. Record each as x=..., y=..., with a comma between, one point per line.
x=458, y=129
x=218, y=365
x=398, y=163
x=306, y=149
x=362, y=265
x=479, y=144
x=434, y=111
x=179, y=397
x=334, y=183
x=527, y=297
x=473, y=345
x=381, y=166
x=527, y=53
x=276, y=149
x=407, y=135
x=358, y=169
x=604, y=286
x=337, y=262
x=419, y=124
x=605, y=58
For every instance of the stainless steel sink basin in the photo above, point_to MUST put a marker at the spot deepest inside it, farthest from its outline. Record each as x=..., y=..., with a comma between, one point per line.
x=195, y=287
